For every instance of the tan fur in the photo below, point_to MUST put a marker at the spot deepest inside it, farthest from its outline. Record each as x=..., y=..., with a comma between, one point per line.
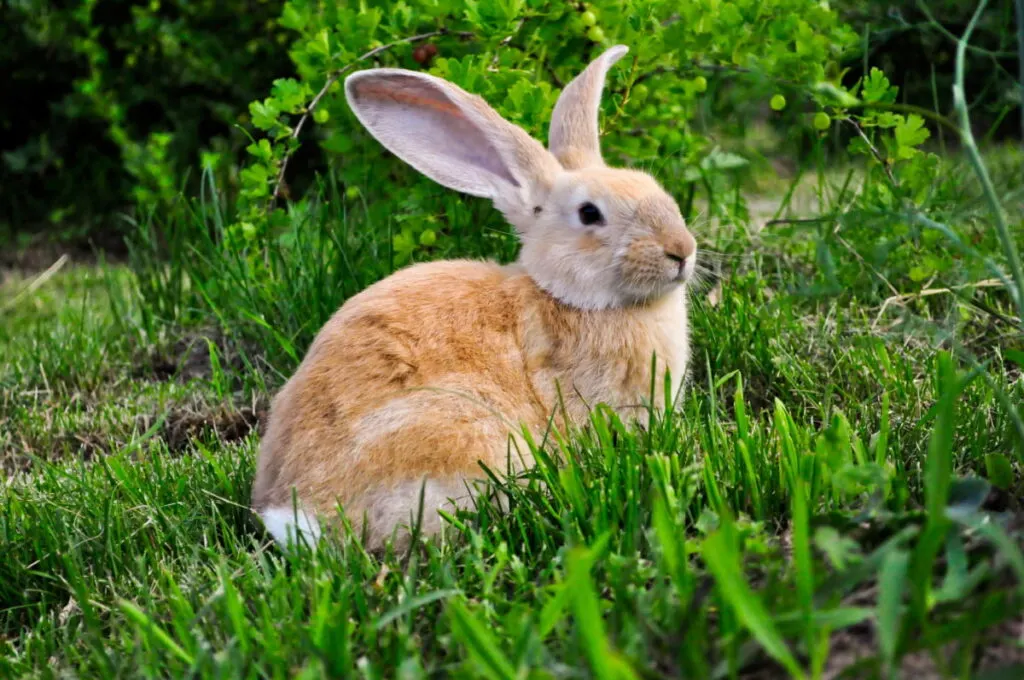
x=423, y=376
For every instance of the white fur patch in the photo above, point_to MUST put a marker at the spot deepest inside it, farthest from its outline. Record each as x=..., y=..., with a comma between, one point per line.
x=398, y=505
x=286, y=523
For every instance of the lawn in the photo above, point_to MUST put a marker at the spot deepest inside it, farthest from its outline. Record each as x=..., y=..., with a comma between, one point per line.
x=838, y=495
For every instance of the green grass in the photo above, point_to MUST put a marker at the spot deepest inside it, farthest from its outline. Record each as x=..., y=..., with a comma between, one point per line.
x=839, y=491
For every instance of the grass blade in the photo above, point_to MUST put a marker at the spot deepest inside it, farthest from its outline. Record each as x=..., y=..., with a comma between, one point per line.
x=723, y=562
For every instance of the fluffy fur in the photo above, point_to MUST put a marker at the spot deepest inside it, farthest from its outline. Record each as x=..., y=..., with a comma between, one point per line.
x=421, y=377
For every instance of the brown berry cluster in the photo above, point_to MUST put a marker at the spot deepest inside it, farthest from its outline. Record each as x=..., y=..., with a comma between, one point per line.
x=424, y=53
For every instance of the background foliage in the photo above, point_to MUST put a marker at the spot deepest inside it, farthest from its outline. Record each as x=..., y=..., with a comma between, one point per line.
x=130, y=101
x=109, y=103
x=839, y=495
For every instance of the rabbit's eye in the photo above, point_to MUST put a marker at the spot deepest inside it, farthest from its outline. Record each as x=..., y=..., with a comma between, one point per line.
x=589, y=214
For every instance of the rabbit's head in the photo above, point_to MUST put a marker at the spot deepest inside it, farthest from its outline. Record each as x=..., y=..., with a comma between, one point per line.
x=594, y=237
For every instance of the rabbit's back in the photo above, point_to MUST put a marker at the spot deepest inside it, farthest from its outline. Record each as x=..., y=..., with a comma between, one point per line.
x=417, y=377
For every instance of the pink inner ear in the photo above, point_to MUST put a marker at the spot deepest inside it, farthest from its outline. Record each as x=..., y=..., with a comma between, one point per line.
x=419, y=123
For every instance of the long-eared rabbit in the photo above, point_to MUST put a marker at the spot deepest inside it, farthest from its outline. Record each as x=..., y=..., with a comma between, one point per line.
x=421, y=377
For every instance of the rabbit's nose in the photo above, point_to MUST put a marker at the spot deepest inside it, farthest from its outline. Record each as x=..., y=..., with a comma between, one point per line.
x=680, y=246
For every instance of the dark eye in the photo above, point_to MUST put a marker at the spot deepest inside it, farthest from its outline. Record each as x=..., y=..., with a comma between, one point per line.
x=589, y=214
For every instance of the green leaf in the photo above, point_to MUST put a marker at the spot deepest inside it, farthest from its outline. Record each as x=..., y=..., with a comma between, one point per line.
x=723, y=562
x=553, y=610
x=493, y=15
x=834, y=619
x=482, y=646
x=1007, y=545
x=518, y=93
x=999, y=470
x=261, y=150
x=154, y=632
x=673, y=549
x=966, y=496
x=255, y=179
x=264, y=114
x=412, y=604
x=802, y=562
x=290, y=95
x=717, y=161
x=891, y=583
x=604, y=661
x=842, y=97
x=938, y=472
x=368, y=20
x=876, y=88
x=910, y=133
x=939, y=463
x=290, y=17
x=840, y=550
x=959, y=580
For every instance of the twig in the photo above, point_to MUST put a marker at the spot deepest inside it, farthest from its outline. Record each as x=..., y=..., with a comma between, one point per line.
x=909, y=108
x=874, y=152
x=504, y=42
x=900, y=298
x=554, y=76
x=37, y=282
x=853, y=251
x=799, y=220
x=932, y=22
x=334, y=75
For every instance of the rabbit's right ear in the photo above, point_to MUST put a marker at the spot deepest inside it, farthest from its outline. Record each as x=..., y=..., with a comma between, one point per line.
x=574, y=137
x=449, y=135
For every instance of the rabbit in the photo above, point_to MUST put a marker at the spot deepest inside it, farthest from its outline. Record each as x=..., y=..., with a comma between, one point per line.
x=420, y=378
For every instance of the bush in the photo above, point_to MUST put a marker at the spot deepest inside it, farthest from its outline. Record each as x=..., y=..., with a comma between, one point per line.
x=127, y=98
x=691, y=79
x=914, y=43
x=686, y=62
x=695, y=74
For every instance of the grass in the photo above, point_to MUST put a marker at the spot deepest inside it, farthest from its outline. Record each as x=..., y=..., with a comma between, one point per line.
x=840, y=492
x=837, y=495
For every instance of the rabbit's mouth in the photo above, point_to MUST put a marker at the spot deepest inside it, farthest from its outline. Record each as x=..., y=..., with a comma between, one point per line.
x=686, y=269
x=681, y=268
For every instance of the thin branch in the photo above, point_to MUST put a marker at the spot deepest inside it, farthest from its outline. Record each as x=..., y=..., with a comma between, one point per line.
x=901, y=298
x=909, y=108
x=554, y=76
x=504, y=43
x=37, y=282
x=874, y=152
x=1002, y=228
x=799, y=220
x=922, y=6
x=332, y=77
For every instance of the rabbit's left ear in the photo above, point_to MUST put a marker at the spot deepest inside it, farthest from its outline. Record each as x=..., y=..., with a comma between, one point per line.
x=451, y=136
x=573, y=137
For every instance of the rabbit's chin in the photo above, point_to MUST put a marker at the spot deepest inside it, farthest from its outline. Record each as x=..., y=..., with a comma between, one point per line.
x=607, y=296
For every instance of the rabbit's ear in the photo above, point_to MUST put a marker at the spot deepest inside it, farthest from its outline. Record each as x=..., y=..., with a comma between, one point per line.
x=449, y=135
x=573, y=137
